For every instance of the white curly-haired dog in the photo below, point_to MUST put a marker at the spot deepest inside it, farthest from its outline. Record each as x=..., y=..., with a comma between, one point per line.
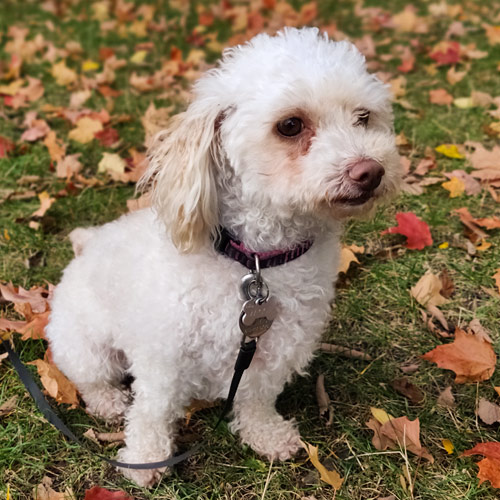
x=287, y=137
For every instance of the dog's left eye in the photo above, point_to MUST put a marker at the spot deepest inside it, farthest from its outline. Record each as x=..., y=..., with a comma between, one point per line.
x=362, y=118
x=290, y=127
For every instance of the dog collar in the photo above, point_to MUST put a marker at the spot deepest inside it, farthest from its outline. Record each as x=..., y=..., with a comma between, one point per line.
x=231, y=247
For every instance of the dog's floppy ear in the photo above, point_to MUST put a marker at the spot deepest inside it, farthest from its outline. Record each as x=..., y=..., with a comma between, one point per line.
x=182, y=160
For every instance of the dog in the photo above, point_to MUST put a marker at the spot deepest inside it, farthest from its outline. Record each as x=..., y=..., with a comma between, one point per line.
x=286, y=138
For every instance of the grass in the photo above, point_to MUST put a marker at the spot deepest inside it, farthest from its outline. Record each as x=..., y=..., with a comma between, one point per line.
x=373, y=310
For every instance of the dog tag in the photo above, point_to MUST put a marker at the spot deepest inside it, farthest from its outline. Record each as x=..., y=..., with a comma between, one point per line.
x=257, y=316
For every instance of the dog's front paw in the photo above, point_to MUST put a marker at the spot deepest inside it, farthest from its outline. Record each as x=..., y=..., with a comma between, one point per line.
x=142, y=477
x=278, y=439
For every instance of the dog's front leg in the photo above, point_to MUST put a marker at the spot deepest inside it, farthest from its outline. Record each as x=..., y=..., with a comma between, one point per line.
x=257, y=421
x=150, y=427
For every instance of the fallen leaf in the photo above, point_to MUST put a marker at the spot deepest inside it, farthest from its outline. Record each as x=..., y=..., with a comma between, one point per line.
x=464, y=102
x=493, y=33
x=85, y=130
x=488, y=222
x=417, y=231
x=455, y=186
x=448, y=446
x=453, y=76
x=68, y=166
x=6, y=146
x=98, y=493
x=329, y=476
x=449, y=150
x=497, y=389
x=472, y=187
x=446, y=53
x=427, y=290
x=489, y=467
x=381, y=416
x=8, y=406
x=488, y=412
x=56, y=147
x=345, y=351
x=404, y=386
x=446, y=398
x=55, y=383
x=112, y=164
x=324, y=404
x=62, y=74
x=399, y=433
x=471, y=358
x=469, y=221
x=108, y=137
x=45, y=203
x=197, y=405
x=44, y=491
x=440, y=96
x=347, y=257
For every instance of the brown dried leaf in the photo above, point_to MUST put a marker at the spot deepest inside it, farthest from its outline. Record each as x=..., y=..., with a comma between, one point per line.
x=8, y=406
x=55, y=383
x=404, y=386
x=446, y=398
x=399, y=433
x=488, y=412
x=324, y=403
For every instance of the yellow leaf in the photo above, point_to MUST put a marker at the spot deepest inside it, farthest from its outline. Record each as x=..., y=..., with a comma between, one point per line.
x=483, y=246
x=464, y=102
x=85, y=130
x=455, y=186
x=112, y=164
x=12, y=88
x=449, y=150
x=139, y=28
x=347, y=257
x=444, y=245
x=62, y=74
x=89, y=65
x=427, y=290
x=495, y=126
x=381, y=416
x=139, y=56
x=497, y=389
x=448, y=446
x=6, y=235
x=329, y=476
x=100, y=10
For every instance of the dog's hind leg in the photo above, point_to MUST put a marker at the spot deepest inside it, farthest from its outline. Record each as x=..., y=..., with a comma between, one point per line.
x=96, y=369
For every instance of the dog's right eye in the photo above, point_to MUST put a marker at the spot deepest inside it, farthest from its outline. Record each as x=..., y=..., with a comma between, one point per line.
x=290, y=127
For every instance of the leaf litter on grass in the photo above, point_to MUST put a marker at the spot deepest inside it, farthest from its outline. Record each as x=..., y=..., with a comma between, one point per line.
x=425, y=52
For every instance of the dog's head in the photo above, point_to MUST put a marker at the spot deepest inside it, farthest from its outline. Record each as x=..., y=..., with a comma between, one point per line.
x=299, y=122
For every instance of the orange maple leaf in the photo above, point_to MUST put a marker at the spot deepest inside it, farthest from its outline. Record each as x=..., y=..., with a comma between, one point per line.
x=471, y=358
x=489, y=467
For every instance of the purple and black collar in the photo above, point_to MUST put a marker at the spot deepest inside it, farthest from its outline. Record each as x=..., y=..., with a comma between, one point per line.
x=231, y=247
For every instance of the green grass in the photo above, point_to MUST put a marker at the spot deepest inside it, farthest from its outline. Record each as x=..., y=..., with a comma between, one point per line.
x=373, y=310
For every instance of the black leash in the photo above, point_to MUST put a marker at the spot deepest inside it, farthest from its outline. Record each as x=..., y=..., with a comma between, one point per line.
x=245, y=355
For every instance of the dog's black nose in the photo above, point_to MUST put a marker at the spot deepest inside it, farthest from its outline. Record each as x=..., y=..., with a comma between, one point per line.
x=366, y=174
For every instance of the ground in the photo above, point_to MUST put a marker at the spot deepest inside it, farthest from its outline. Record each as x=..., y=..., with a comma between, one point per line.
x=373, y=312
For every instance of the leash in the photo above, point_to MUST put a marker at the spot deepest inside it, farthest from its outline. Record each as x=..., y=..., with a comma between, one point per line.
x=256, y=317
x=245, y=355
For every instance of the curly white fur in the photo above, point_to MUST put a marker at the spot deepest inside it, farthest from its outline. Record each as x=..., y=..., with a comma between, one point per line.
x=163, y=305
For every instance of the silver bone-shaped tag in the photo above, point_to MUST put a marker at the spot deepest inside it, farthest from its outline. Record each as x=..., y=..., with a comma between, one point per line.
x=257, y=316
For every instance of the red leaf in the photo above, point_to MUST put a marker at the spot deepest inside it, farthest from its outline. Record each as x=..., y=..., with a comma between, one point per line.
x=98, y=493
x=416, y=230
x=489, y=449
x=107, y=137
x=6, y=146
x=446, y=53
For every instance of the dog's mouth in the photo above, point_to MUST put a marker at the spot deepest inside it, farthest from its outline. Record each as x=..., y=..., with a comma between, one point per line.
x=354, y=200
